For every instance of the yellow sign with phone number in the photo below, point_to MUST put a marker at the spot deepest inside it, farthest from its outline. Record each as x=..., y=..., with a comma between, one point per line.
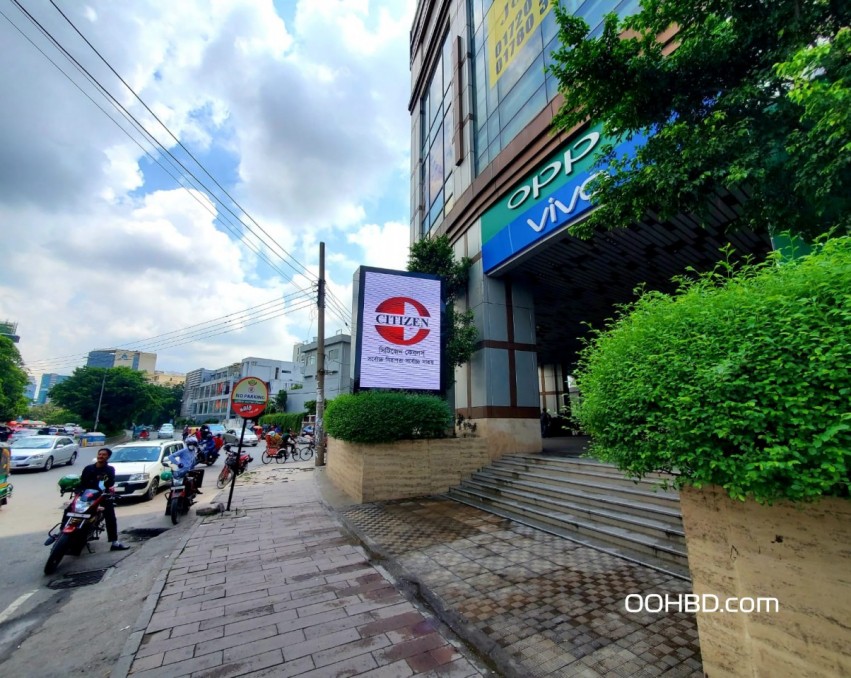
x=510, y=25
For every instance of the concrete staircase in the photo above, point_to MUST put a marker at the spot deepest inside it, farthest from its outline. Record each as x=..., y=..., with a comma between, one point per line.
x=587, y=502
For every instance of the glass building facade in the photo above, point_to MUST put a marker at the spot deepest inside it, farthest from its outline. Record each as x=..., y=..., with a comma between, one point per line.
x=509, y=48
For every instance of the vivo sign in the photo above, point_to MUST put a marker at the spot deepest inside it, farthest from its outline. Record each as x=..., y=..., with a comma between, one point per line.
x=547, y=202
x=399, y=333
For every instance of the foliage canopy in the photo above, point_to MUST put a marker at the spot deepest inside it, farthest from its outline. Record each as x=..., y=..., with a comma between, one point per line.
x=435, y=256
x=13, y=380
x=740, y=380
x=756, y=97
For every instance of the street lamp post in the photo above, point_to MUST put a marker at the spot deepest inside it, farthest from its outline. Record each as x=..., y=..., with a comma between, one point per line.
x=100, y=400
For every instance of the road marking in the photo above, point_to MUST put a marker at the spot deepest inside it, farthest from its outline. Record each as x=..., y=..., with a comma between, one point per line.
x=9, y=611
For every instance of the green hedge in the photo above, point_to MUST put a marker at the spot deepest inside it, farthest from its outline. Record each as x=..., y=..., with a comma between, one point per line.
x=741, y=379
x=383, y=417
x=286, y=420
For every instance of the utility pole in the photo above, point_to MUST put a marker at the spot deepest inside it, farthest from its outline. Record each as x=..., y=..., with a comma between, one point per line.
x=319, y=432
x=100, y=399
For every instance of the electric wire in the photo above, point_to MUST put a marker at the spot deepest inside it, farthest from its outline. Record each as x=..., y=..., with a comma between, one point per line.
x=185, y=336
x=334, y=304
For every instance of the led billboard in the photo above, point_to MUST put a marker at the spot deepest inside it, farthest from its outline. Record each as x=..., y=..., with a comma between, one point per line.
x=399, y=331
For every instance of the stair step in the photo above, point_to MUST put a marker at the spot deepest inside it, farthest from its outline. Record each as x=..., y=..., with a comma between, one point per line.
x=659, y=497
x=588, y=472
x=647, y=555
x=634, y=506
x=584, y=463
x=606, y=522
x=669, y=524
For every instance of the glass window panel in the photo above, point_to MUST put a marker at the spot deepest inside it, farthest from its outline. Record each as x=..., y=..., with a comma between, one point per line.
x=448, y=198
x=424, y=183
x=448, y=150
x=435, y=94
x=493, y=128
x=477, y=12
x=520, y=64
x=515, y=99
x=435, y=167
x=549, y=27
x=534, y=106
x=435, y=214
x=592, y=11
x=447, y=63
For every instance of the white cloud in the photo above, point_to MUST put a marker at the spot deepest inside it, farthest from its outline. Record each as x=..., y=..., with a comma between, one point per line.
x=305, y=125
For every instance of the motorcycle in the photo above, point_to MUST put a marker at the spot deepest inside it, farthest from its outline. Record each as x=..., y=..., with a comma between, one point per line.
x=232, y=465
x=181, y=495
x=83, y=522
x=205, y=453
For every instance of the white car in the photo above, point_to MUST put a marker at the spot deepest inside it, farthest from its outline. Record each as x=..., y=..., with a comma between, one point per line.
x=166, y=431
x=43, y=452
x=231, y=437
x=139, y=466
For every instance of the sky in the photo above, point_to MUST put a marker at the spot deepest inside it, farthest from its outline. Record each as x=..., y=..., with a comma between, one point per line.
x=168, y=170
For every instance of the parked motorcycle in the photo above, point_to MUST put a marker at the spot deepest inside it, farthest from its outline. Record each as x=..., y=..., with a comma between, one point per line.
x=83, y=522
x=232, y=465
x=181, y=495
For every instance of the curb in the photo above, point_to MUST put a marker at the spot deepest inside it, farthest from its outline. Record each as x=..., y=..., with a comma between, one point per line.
x=131, y=645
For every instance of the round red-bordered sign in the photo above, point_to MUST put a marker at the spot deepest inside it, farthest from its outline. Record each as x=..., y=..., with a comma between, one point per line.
x=250, y=397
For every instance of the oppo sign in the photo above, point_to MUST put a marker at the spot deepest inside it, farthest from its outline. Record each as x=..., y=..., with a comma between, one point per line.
x=399, y=335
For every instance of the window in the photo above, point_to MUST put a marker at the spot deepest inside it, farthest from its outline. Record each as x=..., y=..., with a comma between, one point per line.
x=510, y=83
x=436, y=151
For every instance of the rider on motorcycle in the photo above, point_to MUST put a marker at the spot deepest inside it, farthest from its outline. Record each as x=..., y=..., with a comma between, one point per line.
x=184, y=461
x=101, y=476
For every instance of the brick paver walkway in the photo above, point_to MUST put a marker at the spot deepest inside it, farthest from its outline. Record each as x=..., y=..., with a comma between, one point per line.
x=540, y=605
x=276, y=588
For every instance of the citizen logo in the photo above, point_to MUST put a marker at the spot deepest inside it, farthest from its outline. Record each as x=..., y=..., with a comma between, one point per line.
x=402, y=321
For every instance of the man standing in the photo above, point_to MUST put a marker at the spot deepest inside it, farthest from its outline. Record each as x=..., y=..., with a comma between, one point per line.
x=545, y=423
x=101, y=476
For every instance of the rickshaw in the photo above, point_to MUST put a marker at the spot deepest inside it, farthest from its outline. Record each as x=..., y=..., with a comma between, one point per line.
x=5, y=464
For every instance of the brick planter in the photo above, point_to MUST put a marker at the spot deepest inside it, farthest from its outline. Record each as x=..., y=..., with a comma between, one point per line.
x=799, y=554
x=407, y=468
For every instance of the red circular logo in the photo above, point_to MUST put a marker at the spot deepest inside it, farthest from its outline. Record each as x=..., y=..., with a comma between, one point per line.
x=402, y=321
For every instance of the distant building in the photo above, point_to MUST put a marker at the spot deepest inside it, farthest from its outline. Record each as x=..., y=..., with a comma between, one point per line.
x=338, y=350
x=117, y=357
x=9, y=330
x=30, y=390
x=167, y=378
x=206, y=395
x=48, y=381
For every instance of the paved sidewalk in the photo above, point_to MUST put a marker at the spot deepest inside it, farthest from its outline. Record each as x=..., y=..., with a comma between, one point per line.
x=277, y=588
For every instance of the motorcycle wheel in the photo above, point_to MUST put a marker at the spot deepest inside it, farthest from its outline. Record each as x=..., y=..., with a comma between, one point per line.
x=57, y=552
x=223, y=478
x=175, y=510
x=266, y=458
x=210, y=462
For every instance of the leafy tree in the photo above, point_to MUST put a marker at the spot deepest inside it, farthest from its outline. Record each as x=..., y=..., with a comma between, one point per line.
x=165, y=403
x=281, y=401
x=13, y=380
x=126, y=395
x=435, y=256
x=50, y=413
x=756, y=97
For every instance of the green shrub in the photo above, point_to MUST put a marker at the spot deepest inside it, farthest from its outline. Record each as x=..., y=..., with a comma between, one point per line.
x=741, y=379
x=383, y=417
x=286, y=420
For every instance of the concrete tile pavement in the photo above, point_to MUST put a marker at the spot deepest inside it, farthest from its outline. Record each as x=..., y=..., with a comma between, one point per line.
x=276, y=587
x=287, y=585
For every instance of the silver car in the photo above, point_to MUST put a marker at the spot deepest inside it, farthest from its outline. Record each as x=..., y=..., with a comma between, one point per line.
x=43, y=452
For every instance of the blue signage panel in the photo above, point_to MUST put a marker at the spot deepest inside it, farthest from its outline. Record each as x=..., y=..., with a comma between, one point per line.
x=551, y=214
